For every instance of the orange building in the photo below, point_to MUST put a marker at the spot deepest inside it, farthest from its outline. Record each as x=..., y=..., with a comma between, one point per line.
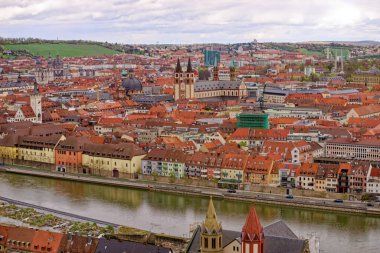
x=68, y=154
x=19, y=239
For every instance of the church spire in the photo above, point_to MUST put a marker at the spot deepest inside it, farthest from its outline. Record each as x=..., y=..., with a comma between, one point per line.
x=178, y=68
x=189, y=68
x=35, y=89
x=211, y=232
x=252, y=228
x=252, y=235
x=211, y=222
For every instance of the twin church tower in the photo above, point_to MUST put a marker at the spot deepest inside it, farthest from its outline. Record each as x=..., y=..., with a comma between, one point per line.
x=184, y=82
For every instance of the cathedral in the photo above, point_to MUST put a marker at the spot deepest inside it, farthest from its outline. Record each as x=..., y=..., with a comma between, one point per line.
x=277, y=237
x=185, y=86
x=55, y=70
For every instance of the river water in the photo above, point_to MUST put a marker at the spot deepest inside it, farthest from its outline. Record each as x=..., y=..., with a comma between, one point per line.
x=173, y=214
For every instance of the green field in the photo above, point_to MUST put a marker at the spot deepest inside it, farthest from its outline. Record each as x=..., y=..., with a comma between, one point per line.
x=309, y=52
x=336, y=51
x=62, y=49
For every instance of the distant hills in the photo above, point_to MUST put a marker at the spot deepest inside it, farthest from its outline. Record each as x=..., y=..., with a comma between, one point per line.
x=362, y=43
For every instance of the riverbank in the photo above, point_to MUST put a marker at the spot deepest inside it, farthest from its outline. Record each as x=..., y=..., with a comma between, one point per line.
x=38, y=217
x=270, y=199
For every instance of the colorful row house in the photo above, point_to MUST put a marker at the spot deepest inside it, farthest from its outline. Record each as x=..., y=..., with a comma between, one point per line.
x=164, y=162
x=68, y=155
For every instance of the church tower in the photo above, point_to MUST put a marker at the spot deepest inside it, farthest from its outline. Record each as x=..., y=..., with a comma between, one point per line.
x=232, y=71
x=36, y=104
x=216, y=70
x=211, y=232
x=184, y=82
x=252, y=236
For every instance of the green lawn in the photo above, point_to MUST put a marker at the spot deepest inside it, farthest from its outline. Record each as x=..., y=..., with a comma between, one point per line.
x=308, y=52
x=62, y=49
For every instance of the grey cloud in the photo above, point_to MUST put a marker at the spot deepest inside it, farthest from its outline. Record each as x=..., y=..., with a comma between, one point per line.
x=188, y=21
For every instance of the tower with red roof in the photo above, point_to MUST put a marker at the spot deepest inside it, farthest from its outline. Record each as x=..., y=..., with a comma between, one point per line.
x=252, y=236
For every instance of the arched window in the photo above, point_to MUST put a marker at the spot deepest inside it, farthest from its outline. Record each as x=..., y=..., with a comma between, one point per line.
x=213, y=243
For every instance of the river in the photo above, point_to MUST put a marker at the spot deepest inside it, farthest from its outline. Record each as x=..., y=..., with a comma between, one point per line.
x=173, y=214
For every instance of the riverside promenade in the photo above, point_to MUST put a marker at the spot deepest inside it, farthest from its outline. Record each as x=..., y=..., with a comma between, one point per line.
x=271, y=199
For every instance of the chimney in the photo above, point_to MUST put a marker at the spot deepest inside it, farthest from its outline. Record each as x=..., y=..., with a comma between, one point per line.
x=89, y=239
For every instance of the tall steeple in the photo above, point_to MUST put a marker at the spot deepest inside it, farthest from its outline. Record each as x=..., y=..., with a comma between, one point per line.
x=189, y=68
x=216, y=70
x=211, y=222
x=178, y=68
x=211, y=232
x=252, y=236
x=232, y=71
x=36, y=103
x=35, y=89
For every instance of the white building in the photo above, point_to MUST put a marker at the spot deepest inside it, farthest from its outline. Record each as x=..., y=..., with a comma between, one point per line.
x=368, y=150
x=373, y=181
x=32, y=112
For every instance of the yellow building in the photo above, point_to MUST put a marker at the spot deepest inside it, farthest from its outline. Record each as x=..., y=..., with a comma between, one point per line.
x=320, y=184
x=8, y=148
x=274, y=176
x=368, y=78
x=116, y=160
x=230, y=174
x=38, y=149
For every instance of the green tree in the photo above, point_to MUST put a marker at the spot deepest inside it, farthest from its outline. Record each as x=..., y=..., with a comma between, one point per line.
x=243, y=144
x=171, y=177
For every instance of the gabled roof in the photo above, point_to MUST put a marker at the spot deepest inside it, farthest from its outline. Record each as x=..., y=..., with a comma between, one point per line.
x=279, y=229
x=366, y=110
x=279, y=238
x=27, y=111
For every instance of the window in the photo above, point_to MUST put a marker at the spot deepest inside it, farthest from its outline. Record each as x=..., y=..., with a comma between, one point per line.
x=213, y=243
x=206, y=242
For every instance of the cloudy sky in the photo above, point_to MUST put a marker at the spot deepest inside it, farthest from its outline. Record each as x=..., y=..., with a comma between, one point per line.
x=191, y=21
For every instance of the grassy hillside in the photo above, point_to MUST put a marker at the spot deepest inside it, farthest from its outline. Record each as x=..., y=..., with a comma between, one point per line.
x=62, y=49
x=336, y=50
x=309, y=52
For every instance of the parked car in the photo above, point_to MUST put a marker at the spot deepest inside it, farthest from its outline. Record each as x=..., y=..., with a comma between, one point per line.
x=231, y=191
x=289, y=197
x=338, y=201
x=370, y=204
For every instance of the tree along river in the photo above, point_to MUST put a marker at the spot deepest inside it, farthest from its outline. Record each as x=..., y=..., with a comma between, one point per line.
x=173, y=214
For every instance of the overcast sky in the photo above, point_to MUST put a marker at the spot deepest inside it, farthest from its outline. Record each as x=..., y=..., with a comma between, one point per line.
x=191, y=21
